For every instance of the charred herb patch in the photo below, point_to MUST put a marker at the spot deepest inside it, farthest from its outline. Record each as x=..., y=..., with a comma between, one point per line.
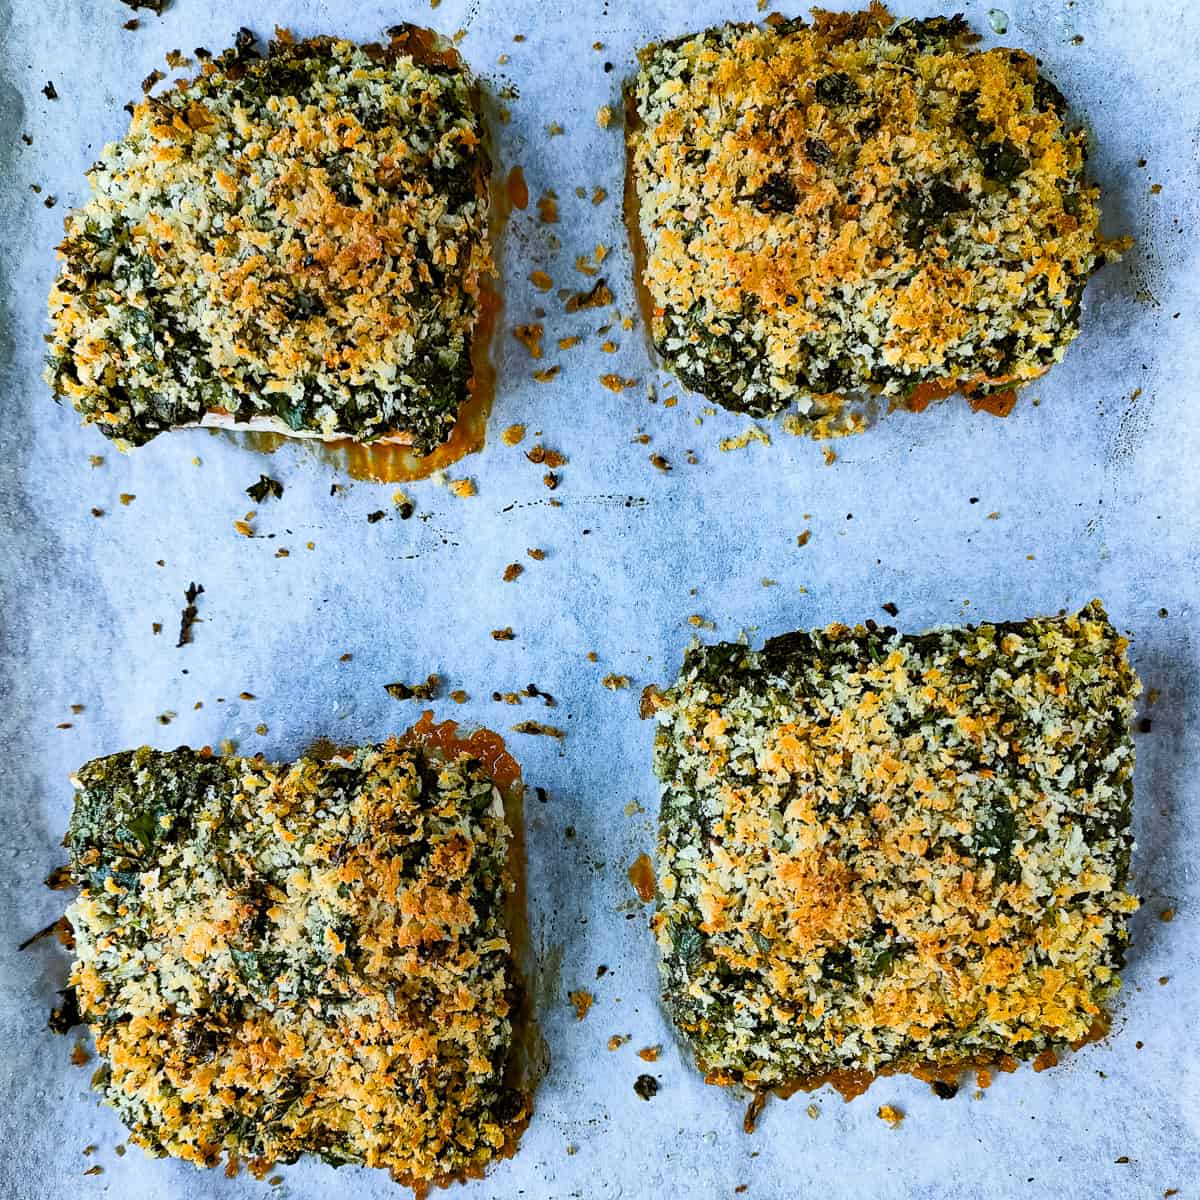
x=266, y=486
x=190, y=614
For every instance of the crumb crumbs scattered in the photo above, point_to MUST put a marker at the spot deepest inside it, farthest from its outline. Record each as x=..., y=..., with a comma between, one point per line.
x=547, y=206
x=546, y=374
x=415, y=691
x=830, y=456
x=615, y=682
x=536, y=728
x=699, y=622
x=742, y=440
x=660, y=463
x=618, y=1040
x=604, y=116
x=541, y=281
x=802, y=538
x=503, y=635
x=649, y=1053
x=530, y=336
x=513, y=435
x=463, y=488
x=892, y=1115
x=813, y=1111
x=536, y=554
x=616, y=384
x=459, y=696
x=599, y=196
x=554, y=129
x=512, y=571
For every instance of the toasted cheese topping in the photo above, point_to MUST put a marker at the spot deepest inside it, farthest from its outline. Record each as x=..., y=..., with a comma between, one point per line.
x=298, y=238
x=307, y=958
x=854, y=207
x=880, y=851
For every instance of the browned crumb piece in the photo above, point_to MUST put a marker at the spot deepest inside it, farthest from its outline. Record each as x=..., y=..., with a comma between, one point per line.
x=459, y=696
x=1045, y=1060
x=282, y=552
x=537, y=728
x=813, y=1111
x=77, y=708
x=599, y=196
x=660, y=463
x=97, y=512
x=618, y=1040
x=166, y=718
x=615, y=383
x=547, y=373
x=1167, y=914
x=567, y=342
x=463, y=488
x=247, y=696
x=79, y=1055
x=530, y=336
x=415, y=691
x=64, y=725
x=503, y=635
x=649, y=1053
x=261, y=729
x=512, y=571
x=892, y=1115
x=96, y=1170
x=802, y=538
x=615, y=682
x=156, y=76
x=604, y=116
x=535, y=554
x=599, y=295
x=547, y=207
x=582, y=1000
x=646, y=1087
x=156, y=627
x=244, y=528
x=652, y=701
x=177, y=59
x=830, y=456
x=551, y=481
x=890, y=609
x=513, y=435
x=592, y=656
x=541, y=456
x=541, y=281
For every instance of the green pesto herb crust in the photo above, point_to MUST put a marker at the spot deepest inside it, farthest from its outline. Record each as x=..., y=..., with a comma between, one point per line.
x=305, y=958
x=884, y=851
x=857, y=206
x=294, y=242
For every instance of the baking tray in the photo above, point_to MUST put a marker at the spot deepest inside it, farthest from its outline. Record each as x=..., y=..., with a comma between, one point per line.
x=1091, y=487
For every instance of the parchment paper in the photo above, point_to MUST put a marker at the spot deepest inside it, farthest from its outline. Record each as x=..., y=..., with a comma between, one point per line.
x=1093, y=491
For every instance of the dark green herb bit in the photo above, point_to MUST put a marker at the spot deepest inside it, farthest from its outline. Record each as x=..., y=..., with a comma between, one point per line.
x=266, y=486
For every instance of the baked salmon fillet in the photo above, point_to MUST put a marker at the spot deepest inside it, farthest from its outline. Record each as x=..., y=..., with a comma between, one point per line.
x=304, y=958
x=293, y=242
x=853, y=207
x=881, y=852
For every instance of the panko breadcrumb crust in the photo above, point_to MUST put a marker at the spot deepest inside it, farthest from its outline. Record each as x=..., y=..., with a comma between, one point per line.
x=292, y=242
x=278, y=959
x=881, y=852
x=857, y=207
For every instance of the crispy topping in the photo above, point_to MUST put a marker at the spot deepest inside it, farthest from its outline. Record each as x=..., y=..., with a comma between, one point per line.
x=306, y=958
x=296, y=240
x=879, y=850
x=857, y=206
